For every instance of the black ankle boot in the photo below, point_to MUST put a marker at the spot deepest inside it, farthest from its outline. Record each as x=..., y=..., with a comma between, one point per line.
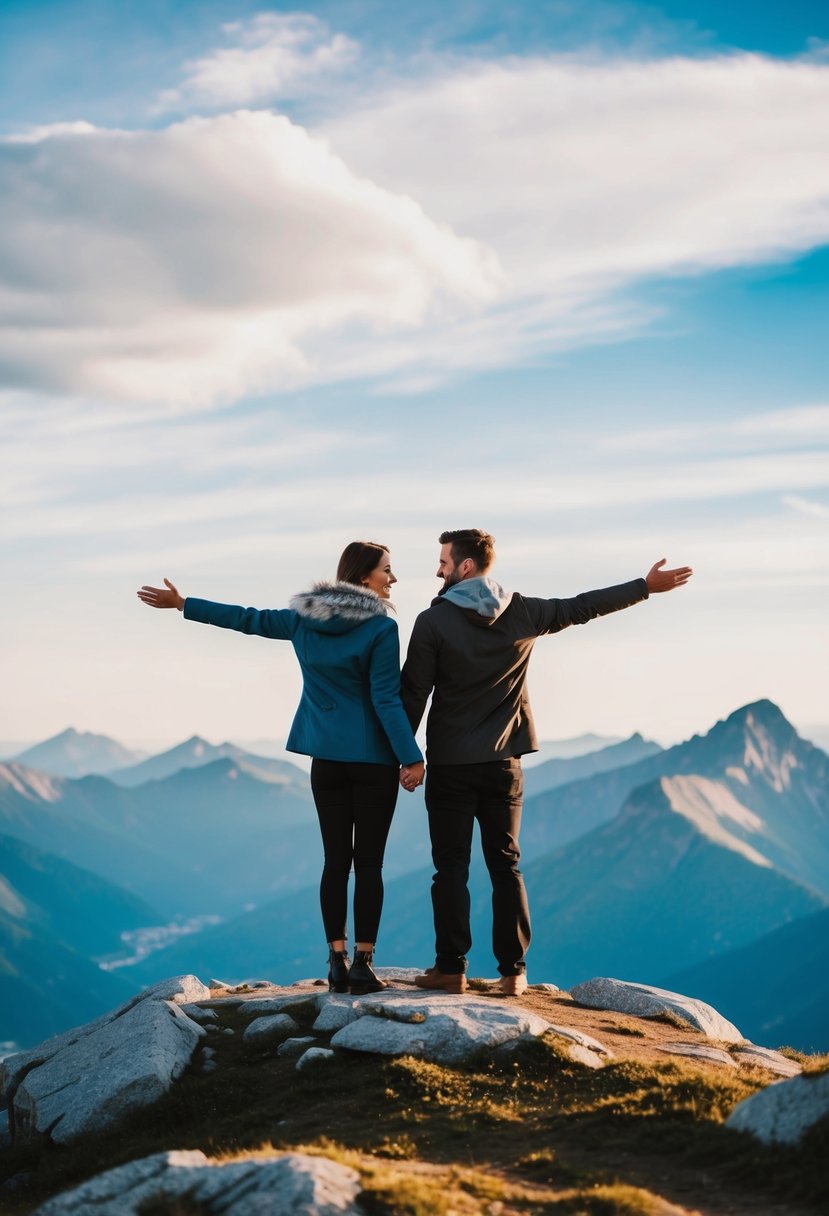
x=337, y=970
x=361, y=977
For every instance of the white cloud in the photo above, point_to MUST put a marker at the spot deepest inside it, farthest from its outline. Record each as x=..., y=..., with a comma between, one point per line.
x=775, y=430
x=586, y=177
x=482, y=215
x=273, y=56
x=195, y=263
x=807, y=506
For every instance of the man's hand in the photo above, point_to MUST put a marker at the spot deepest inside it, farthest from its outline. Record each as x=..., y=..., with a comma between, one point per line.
x=157, y=597
x=411, y=775
x=665, y=580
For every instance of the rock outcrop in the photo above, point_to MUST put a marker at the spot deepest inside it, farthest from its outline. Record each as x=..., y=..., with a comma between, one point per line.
x=280, y=1186
x=445, y=1029
x=90, y=1078
x=783, y=1113
x=622, y=996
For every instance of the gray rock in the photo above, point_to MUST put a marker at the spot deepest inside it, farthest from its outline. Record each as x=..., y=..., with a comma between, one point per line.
x=583, y=1055
x=281, y=1186
x=268, y=1029
x=336, y=1012
x=642, y=1000
x=215, y=985
x=179, y=989
x=292, y=1048
x=700, y=1051
x=313, y=1056
x=784, y=1111
x=765, y=1057
x=72, y=1093
x=398, y=975
x=5, y=1134
x=551, y=988
x=199, y=1013
x=278, y=1004
x=446, y=1029
x=578, y=1048
x=582, y=1039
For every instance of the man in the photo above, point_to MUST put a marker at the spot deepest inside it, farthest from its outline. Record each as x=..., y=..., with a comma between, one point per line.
x=473, y=647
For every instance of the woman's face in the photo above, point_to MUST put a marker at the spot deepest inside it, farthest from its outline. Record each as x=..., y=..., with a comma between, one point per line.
x=381, y=578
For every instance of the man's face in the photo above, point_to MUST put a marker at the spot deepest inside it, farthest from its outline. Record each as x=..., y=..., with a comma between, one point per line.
x=447, y=570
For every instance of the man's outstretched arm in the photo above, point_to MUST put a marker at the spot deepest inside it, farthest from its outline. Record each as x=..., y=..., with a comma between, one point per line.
x=551, y=616
x=665, y=580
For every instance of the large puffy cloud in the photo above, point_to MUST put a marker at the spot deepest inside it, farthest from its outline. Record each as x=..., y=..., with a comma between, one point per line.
x=207, y=260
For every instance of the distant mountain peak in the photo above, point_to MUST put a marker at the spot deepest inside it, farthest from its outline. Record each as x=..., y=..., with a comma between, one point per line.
x=758, y=738
x=763, y=711
x=74, y=753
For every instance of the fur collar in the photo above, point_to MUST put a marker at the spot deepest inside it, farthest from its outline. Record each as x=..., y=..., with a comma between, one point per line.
x=325, y=601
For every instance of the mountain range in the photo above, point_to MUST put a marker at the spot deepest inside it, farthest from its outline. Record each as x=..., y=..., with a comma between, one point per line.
x=54, y=919
x=685, y=871
x=665, y=864
x=75, y=753
x=209, y=839
x=776, y=988
x=560, y=770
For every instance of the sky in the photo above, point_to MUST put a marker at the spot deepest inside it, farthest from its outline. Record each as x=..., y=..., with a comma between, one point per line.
x=276, y=278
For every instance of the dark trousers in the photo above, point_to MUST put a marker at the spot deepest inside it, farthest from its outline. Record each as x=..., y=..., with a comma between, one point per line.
x=355, y=804
x=457, y=795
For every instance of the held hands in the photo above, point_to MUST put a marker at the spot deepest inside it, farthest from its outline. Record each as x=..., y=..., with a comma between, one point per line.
x=665, y=580
x=157, y=597
x=411, y=775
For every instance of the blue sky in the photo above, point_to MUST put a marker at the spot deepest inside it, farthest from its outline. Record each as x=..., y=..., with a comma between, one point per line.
x=274, y=277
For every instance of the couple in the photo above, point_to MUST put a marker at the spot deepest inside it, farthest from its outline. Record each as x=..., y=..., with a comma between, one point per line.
x=357, y=716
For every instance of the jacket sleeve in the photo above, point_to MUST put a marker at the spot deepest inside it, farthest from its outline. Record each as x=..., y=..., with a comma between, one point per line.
x=268, y=623
x=384, y=682
x=419, y=670
x=551, y=616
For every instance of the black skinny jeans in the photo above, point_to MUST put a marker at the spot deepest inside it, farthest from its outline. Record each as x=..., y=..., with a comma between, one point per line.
x=355, y=804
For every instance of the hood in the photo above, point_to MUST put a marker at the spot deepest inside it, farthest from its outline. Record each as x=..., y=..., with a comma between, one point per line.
x=338, y=607
x=481, y=595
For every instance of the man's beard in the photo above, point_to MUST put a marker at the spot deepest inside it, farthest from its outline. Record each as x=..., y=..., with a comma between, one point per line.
x=450, y=580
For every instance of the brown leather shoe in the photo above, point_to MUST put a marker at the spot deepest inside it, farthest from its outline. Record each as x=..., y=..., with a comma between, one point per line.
x=513, y=985
x=439, y=981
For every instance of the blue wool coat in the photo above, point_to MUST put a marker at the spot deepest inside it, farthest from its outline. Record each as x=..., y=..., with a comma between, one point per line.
x=349, y=654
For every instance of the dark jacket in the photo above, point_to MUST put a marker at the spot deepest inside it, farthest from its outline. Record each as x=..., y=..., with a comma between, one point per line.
x=477, y=666
x=349, y=653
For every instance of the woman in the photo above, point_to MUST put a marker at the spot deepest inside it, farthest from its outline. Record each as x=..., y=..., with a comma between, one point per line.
x=351, y=721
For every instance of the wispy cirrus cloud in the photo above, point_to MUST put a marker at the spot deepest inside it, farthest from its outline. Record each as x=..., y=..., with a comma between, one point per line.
x=608, y=167
x=270, y=57
x=807, y=506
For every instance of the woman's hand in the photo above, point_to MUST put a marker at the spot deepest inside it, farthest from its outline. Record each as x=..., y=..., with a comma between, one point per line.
x=411, y=775
x=157, y=597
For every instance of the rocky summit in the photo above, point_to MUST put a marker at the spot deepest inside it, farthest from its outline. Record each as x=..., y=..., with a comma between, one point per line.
x=145, y=1093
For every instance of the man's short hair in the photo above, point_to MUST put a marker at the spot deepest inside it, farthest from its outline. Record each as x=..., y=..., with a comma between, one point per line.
x=470, y=542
